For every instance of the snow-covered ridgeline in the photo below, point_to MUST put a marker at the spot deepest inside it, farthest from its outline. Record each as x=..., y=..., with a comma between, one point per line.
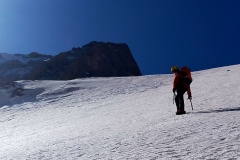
x=22, y=58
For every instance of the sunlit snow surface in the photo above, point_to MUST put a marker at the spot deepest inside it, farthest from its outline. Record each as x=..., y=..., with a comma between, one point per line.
x=122, y=118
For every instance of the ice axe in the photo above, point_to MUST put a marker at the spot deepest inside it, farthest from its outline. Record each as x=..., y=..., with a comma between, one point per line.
x=174, y=95
x=190, y=99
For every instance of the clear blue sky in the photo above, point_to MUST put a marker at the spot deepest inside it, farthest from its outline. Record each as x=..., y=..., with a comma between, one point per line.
x=160, y=33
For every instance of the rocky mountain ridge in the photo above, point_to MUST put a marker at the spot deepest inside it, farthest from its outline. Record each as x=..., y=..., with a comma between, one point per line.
x=96, y=59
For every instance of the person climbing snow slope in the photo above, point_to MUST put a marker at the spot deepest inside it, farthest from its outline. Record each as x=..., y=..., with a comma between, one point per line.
x=181, y=84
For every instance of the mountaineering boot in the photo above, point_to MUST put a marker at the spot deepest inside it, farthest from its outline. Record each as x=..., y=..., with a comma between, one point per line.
x=183, y=112
x=180, y=112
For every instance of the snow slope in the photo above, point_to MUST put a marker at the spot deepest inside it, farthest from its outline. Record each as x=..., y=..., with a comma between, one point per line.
x=121, y=118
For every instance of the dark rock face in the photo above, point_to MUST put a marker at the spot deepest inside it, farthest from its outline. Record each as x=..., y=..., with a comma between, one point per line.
x=96, y=59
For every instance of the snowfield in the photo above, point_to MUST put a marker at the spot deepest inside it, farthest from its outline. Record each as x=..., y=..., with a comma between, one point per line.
x=121, y=118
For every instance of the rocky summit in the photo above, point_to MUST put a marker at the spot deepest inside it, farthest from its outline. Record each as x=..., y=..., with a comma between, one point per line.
x=96, y=59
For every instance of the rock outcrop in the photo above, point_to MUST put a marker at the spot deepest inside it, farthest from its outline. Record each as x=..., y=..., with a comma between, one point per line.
x=96, y=59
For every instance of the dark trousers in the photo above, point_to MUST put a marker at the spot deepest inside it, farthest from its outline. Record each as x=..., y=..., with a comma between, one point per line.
x=179, y=101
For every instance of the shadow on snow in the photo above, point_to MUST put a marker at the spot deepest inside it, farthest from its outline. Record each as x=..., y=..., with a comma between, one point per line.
x=220, y=110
